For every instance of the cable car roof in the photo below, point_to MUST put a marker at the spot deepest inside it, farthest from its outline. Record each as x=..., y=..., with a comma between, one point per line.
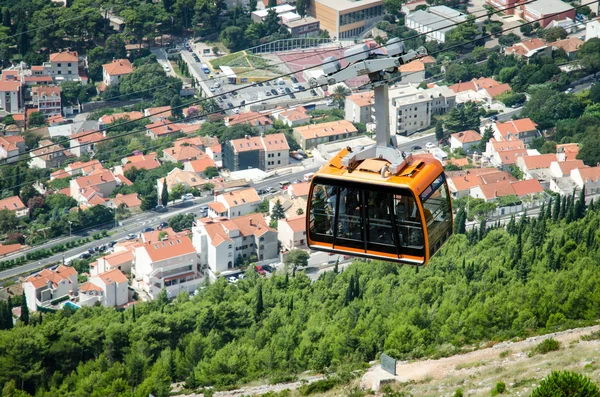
x=417, y=174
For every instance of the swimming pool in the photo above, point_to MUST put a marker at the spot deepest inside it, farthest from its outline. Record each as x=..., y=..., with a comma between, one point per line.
x=71, y=305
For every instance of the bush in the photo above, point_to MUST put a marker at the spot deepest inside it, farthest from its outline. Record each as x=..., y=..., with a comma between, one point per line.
x=499, y=389
x=320, y=386
x=566, y=383
x=548, y=345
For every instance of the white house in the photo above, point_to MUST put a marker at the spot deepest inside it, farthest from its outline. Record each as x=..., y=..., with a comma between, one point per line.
x=169, y=264
x=221, y=242
x=114, y=71
x=64, y=66
x=358, y=108
x=239, y=202
x=292, y=232
x=464, y=140
x=588, y=177
x=108, y=288
x=122, y=260
x=48, y=285
x=84, y=142
x=11, y=98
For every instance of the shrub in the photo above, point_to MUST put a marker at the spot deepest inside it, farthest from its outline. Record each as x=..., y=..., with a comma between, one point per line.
x=505, y=353
x=499, y=389
x=458, y=393
x=320, y=386
x=566, y=383
x=548, y=345
x=593, y=336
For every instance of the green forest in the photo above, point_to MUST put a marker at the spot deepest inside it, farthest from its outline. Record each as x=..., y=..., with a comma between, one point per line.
x=537, y=275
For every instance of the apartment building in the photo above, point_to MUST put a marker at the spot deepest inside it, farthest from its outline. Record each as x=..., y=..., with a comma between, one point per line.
x=170, y=264
x=435, y=23
x=358, y=107
x=48, y=155
x=300, y=27
x=94, y=188
x=49, y=285
x=260, y=122
x=220, y=242
x=46, y=99
x=239, y=202
x=546, y=11
x=263, y=152
x=292, y=232
x=11, y=92
x=309, y=136
x=346, y=18
x=113, y=72
x=522, y=129
x=15, y=204
x=83, y=143
x=506, y=6
x=411, y=108
x=11, y=146
x=108, y=288
x=64, y=66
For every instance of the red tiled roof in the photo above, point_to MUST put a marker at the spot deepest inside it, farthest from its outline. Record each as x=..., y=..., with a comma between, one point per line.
x=64, y=56
x=111, y=118
x=113, y=276
x=87, y=137
x=201, y=164
x=529, y=186
x=89, y=286
x=171, y=248
x=118, y=67
x=541, y=161
x=497, y=189
x=13, y=203
x=9, y=248
x=130, y=200
x=240, y=197
x=296, y=223
x=467, y=136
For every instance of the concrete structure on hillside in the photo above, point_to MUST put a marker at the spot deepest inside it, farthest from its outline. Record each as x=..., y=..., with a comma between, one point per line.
x=265, y=152
x=346, y=18
x=222, y=243
x=300, y=27
x=411, y=108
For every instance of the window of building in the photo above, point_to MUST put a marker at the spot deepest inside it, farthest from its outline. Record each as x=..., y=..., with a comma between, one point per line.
x=59, y=65
x=69, y=64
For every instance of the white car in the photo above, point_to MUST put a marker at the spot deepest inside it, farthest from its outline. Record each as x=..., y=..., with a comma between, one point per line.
x=131, y=236
x=217, y=85
x=232, y=279
x=295, y=87
x=167, y=68
x=187, y=196
x=429, y=145
x=241, y=276
x=236, y=111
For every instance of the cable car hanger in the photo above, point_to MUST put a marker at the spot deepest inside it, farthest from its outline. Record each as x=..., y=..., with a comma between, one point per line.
x=377, y=202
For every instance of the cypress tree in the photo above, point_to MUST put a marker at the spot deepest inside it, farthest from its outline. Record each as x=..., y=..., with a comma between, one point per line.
x=548, y=214
x=556, y=210
x=291, y=305
x=349, y=290
x=287, y=279
x=356, y=292
x=6, y=17
x=563, y=208
x=460, y=226
x=551, y=261
x=580, y=205
x=542, y=213
x=164, y=194
x=24, y=311
x=133, y=316
x=570, y=214
x=259, y=301
x=336, y=268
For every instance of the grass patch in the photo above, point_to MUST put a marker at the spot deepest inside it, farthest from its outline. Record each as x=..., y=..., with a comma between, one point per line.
x=505, y=353
x=470, y=365
x=547, y=346
x=593, y=336
x=237, y=59
x=524, y=382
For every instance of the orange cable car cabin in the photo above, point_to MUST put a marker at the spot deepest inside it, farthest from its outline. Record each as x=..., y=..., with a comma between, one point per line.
x=367, y=211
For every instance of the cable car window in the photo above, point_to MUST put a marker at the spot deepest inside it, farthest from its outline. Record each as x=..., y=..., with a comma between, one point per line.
x=408, y=223
x=321, y=213
x=349, y=230
x=380, y=233
x=436, y=207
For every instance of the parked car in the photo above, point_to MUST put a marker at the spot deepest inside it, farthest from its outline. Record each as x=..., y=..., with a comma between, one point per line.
x=267, y=83
x=212, y=89
x=91, y=250
x=309, y=154
x=313, y=92
x=85, y=255
x=112, y=244
x=294, y=79
x=229, y=105
x=260, y=191
x=274, y=91
x=160, y=208
x=415, y=147
x=271, y=189
x=281, y=90
x=260, y=84
x=162, y=225
x=259, y=269
x=268, y=268
x=187, y=196
x=147, y=229
x=268, y=93
x=241, y=276
x=287, y=90
x=131, y=236
x=429, y=145
x=167, y=68
x=292, y=95
x=295, y=87
x=232, y=279
x=102, y=248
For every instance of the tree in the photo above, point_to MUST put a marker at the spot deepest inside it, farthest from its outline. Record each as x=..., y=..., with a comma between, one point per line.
x=488, y=133
x=595, y=93
x=164, y=194
x=339, y=95
x=149, y=201
x=299, y=211
x=211, y=172
x=259, y=307
x=460, y=222
x=393, y=7
x=566, y=383
x=439, y=130
x=252, y=5
x=8, y=221
x=176, y=192
x=301, y=7
x=232, y=37
x=36, y=119
x=554, y=34
x=526, y=29
x=297, y=258
x=278, y=211
x=175, y=104
x=463, y=118
x=546, y=106
x=24, y=310
x=182, y=221
x=590, y=148
x=589, y=54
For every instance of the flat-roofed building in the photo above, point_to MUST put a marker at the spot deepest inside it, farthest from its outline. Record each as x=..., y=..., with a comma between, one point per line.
x=263, y=152
x=546, y=11
x=346, y=18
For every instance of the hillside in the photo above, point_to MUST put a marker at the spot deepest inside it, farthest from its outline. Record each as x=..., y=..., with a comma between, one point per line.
x=538, y=276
